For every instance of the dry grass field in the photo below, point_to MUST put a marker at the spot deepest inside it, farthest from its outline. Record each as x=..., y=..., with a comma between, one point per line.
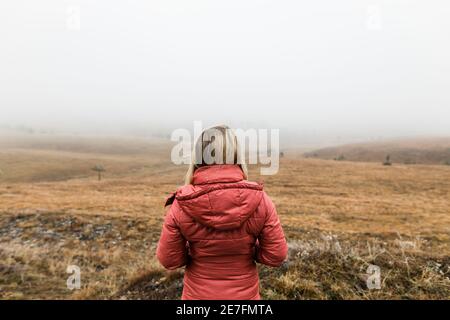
x=339, y=218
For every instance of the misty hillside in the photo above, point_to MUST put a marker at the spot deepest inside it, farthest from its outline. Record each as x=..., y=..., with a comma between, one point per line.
x=404, y=151
x=36, y=157
x=95, y=144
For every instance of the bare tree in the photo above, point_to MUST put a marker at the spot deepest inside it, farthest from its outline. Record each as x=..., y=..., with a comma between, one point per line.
x=99, y=169
x=387, y=162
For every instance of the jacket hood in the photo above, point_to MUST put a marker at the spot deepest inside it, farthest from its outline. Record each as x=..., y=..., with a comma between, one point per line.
x=219, y=198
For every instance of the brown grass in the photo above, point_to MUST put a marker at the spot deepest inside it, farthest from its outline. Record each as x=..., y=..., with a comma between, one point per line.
x=339, y=217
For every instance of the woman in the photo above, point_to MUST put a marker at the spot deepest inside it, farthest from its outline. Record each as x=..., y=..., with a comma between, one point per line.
x=220, y=224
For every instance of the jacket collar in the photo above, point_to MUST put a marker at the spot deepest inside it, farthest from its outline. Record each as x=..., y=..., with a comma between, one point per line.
x=218, y=174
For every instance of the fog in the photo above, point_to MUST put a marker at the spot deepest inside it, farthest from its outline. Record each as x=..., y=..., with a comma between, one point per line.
x=350, y=68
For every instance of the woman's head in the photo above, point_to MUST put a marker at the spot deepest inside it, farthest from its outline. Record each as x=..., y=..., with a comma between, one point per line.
x=216, y=145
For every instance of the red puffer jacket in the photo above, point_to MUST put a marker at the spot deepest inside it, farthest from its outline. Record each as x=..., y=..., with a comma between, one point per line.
x=218, y=227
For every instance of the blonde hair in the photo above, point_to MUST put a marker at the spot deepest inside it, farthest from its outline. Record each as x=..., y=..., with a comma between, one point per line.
x=221, y=146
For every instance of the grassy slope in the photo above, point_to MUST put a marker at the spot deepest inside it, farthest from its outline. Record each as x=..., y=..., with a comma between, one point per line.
x=406, y=151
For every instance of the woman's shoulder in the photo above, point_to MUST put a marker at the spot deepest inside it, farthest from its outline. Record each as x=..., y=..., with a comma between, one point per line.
x=180, y=191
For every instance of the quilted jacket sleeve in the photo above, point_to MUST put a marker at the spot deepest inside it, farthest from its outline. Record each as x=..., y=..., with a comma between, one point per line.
x=172, y=250
x=271, y=248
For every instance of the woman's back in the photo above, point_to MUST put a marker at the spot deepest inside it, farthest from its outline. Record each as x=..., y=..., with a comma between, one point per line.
x=218, y=226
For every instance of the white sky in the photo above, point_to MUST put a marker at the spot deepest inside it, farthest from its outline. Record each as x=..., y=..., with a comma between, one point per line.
x=323, y=66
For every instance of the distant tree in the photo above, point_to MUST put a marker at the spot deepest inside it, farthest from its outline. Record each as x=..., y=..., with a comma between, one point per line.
x=281, y=154
x=340, y=158
x=387, y=161
x=99, y=169
x=447, y=163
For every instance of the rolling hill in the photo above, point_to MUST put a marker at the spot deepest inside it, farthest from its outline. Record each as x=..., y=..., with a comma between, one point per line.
x=404, y=151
